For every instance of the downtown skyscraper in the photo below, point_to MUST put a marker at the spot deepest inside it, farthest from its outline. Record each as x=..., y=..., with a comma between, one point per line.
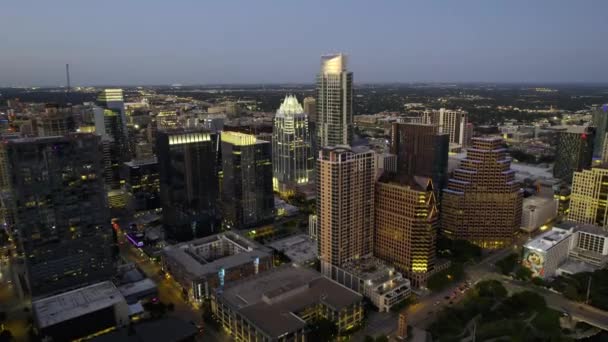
x=292, y=159
x=61, y=216
x=600, y=122
x=421, y=151
x=407, y=221
x=334, y=121
x=189, y=189
x=345, y=204
x=483, y=202
x=247, y=197
x=111, y=125
x=574, y=151
x=589, y=197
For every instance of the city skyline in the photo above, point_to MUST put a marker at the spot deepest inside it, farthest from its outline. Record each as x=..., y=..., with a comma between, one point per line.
x=413, y=42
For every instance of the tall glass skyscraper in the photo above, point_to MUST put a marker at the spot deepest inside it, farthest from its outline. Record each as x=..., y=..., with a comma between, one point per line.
x=574, y=151
x=600, y=122
x=61, y=211
x=111, y=125
x=189, y=188
x=247, y=198
x=334, y=102
x=292, y=160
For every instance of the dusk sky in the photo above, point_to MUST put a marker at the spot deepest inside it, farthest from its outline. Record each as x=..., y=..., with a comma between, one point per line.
x=257, y=41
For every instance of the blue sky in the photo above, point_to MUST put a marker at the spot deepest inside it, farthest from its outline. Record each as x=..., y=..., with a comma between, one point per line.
x=258, y=41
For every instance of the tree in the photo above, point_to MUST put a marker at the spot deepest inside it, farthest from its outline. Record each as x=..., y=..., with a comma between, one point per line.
x=382, y=338
x=368, y=338
x=491, y=289
x=508, y=264
x=322, y=330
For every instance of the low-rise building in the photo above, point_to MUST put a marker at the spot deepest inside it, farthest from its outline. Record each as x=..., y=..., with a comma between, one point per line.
x=589, y=244
x=537, y=211
x=82, y=312
x=202, y=265
x=544, y=254
x=279, y=304
x=371, y=277
x=301, y=249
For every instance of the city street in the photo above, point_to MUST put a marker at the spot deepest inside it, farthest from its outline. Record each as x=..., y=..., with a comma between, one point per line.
x=169, y=291
x=12, y=302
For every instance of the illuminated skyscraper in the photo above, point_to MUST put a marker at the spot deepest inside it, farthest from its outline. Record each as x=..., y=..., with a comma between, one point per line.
x=111, y=125
x=291, y=153
x=334, y=122
x=345, y=204
x=62, y=215
x=589, y=197
x=482, y=202
x=574, y=151
x=421, y=151
x=406, y=218
x=189, y=189
x=310, y=108
x=247, y=197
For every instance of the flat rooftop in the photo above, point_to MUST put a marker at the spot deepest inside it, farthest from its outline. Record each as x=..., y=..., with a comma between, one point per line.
x=272, y=299
x=65, y=306
x=549, y=239
x=299, y=248
x=185, y=255
x=538, y=201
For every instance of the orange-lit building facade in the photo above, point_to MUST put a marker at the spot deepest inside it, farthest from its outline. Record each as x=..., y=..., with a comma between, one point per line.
x=483, y=202
x=406, y=226
x=345, y=203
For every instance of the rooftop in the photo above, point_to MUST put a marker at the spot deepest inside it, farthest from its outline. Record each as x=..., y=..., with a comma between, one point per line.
x=62, y=307
x=549, y=239
x=299, y=248
x=271, y=299
x=189, y=255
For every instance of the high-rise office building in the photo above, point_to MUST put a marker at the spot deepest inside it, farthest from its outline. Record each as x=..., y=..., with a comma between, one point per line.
x=55, y=121
x=455, y=123
x=345, y=204
x=247, y=197
x=292, y=159
x=574, y=151
x=142, y=183
x=482, y=202
x=600, y=122
x=406, y=218
x=189, y=188
x=589, y=196
x=310, y=108
x=334, y=122
x=61, y=211
x=421, y=151
x=111, y=125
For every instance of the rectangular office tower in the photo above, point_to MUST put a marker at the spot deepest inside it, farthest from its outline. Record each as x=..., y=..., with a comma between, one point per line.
x=574, y=151
x=455, y=123
x=247, y=197
x=292, y=159
x=483, y=202
x=189, y=189
x=421, y=151
x=111, y=125
x=345, y=204
x=334, y=121
x=407, y=220
x=600, y=122
x=589, y=197
x=61, y=211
